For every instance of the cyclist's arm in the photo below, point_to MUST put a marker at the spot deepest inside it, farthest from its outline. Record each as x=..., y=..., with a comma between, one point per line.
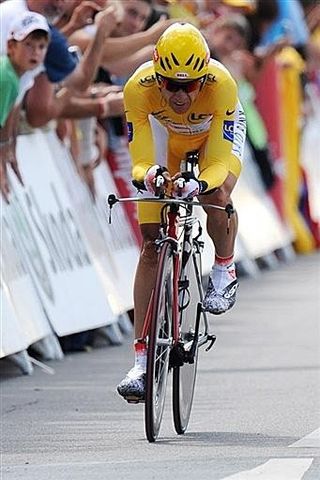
x=214, y=166
x=139, y=131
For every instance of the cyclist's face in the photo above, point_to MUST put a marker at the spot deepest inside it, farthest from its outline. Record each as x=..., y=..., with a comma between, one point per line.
x=180, y=101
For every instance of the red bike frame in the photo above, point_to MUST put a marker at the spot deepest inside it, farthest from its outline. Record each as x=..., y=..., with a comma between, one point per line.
x=172, y=236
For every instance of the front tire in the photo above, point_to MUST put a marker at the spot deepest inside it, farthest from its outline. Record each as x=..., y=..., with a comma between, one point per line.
x=159, y=344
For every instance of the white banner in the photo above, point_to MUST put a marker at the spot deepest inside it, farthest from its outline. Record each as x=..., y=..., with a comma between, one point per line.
x=310, y=154
x=20, y=289
x=13, y=338
x=118, y=235
x=43, y=225
x=260, y=227
x=113, y=247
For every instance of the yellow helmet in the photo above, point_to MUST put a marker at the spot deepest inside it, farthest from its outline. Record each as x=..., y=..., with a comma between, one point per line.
x=181, y=53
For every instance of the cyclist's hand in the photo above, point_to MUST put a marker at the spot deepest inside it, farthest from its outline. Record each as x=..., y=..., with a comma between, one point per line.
x=185, y=185
x=157, y=180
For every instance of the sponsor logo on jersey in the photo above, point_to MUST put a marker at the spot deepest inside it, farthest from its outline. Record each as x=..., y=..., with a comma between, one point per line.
x=130, y=131
x=147, y=81
x=200, y=124
x=199, y=117
x=228, y=127
x=159, y=116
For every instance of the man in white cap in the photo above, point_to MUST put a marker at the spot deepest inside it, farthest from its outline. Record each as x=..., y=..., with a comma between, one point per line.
x=28, y=41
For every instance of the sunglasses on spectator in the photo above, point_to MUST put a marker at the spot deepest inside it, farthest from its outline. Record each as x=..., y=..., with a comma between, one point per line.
x=173, y=86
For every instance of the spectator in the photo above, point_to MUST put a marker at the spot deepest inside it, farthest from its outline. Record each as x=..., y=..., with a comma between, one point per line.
x=41, y=103
x=118, y=52
x=228, y=41
x=27, y=45
x=289, y=22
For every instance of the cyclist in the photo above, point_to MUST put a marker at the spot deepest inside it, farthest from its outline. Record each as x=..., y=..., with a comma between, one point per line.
x=183, y=101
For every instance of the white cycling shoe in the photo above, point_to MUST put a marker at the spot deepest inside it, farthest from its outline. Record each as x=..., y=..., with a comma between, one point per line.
x=132, y=387
x=221, y=291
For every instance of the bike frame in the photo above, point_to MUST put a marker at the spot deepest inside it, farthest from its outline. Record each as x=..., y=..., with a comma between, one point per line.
x=172, y=237
x=168, y=232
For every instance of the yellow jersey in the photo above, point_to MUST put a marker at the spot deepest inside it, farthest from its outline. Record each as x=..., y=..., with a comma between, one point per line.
x=208, y=125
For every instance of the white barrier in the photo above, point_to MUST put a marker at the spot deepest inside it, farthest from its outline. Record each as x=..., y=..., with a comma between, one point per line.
x=112, y=247
x=43, y=226
x=260, y=227
x=310, y=154
x=13, y=338
x=19, y=288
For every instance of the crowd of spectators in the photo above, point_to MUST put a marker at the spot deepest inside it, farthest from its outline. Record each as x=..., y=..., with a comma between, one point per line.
x=73, y=81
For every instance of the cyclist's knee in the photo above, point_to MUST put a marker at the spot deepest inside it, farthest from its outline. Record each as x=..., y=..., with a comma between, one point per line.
x=222, y=195
x=219, y=196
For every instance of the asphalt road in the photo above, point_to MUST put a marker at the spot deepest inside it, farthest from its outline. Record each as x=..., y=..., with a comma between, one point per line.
x=257, y=398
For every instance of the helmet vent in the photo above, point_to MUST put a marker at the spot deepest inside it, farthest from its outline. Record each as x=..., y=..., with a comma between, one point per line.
x=175, y=61
x=196, y=63
x=201, y=66
x=168, y=63
x=189, y=60
x=163, y=65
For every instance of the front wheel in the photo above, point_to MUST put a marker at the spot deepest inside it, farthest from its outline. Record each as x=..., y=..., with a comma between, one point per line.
x=159, y=344
x=184, y=377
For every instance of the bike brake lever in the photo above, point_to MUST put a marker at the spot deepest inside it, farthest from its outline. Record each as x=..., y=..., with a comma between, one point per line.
x=112, y=200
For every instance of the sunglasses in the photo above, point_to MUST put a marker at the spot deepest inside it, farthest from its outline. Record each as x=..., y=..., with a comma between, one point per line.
x=173, y=86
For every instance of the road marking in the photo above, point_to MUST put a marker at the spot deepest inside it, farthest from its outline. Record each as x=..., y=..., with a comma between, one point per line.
x=309, y=441
x=276, y=469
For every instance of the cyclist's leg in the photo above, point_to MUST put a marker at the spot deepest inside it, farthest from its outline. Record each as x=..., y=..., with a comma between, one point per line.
x=145, y=275
x=133, y=385
x=217, y=220
x=222, y=286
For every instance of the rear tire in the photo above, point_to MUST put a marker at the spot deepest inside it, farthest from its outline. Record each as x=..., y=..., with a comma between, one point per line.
x=184, y=377
x=159, y=344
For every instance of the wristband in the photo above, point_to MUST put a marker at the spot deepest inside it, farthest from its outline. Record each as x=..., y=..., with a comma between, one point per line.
x=102, y=108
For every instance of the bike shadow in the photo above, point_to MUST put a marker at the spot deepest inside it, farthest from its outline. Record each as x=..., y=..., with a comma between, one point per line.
x=228, y=439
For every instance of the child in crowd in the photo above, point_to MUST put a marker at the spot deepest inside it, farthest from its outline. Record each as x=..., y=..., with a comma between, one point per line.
x=27, y=46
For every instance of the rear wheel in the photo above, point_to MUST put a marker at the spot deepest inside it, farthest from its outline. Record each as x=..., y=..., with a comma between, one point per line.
x=159, y=344
x=184, y=377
